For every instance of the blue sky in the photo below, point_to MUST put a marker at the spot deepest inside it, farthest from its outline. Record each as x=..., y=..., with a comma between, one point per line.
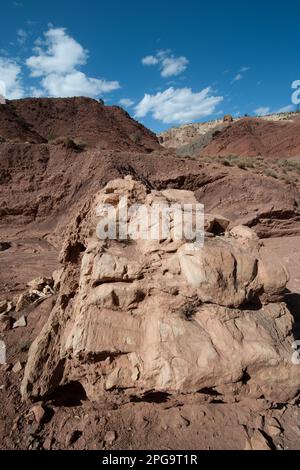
x=172, y=62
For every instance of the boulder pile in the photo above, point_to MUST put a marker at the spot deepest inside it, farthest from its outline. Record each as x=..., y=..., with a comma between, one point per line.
x=159, y=316
x=38, y=290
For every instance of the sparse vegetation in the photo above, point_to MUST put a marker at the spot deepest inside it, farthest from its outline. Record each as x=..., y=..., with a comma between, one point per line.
x=136, y=138
x=51, y=136
x=271, y=173
x=190, y=308
x=282, y=169
x=241, y=165
x=74, y=145
x=78, y=145
x=289, y=165
x=245, y=162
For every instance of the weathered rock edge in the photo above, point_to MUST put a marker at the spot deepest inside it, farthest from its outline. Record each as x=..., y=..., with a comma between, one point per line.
x=142, y=316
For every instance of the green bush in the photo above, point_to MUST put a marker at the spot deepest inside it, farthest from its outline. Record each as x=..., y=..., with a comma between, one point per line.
x=51, y=136
x=232, y=157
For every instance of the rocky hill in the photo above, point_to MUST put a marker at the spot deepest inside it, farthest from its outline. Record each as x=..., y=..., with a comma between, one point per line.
x=87, y=121
x=251, y=137
x=178, y=137
x=145, y=344
x=44, y=182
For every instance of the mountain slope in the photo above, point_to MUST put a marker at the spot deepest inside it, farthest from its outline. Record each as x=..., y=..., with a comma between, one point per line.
x=83, y=119
x=43, y=183
x=275, y=136
x=250, y=137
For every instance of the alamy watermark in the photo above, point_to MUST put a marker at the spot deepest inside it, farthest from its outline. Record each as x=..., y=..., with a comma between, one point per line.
x=2, y=92
x=296, y=93
x=296, y=354
x=2, y=352
x=160, y=221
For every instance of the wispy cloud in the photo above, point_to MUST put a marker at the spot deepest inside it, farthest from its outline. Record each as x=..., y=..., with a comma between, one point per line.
x=126, y=102
x=262, y=110
x=169, y=64
x=240, y=75
x=21, y=36
x=286, y=109
x=179, y=105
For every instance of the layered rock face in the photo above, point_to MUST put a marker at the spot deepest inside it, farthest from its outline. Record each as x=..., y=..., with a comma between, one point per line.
x=141, y=316
x=271, y=136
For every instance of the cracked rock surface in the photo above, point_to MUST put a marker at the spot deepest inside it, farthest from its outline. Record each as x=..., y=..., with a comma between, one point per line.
x=141, y=316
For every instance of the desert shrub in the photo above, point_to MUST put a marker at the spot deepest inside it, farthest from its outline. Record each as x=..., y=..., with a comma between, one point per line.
x=136, y=138
x=241, y=162
x=69, y=143
x=290, y=165
x=232, y=157
x=294, y=165
x=249, y=162
x=190, y=308
x=271, y=173
x=72, y=144
x=206, y=159
x=287, y=179
x=51, y=136
x=80, y=145
x=283, y=163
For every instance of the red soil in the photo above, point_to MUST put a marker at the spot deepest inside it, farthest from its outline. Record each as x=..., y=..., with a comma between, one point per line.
x=250, y=137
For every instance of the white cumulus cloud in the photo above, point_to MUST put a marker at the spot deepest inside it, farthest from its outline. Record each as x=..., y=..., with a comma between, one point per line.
x=56, y=60
x=150, y=60
x=262, y=110
x=76, y=84
x=126, y=102
x=10, y=76
x=169, y=64
x=173, y=66
x=61, y=55
x=178, y=105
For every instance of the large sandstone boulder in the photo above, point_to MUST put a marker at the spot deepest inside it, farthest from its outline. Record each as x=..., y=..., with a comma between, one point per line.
x=140, y=315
